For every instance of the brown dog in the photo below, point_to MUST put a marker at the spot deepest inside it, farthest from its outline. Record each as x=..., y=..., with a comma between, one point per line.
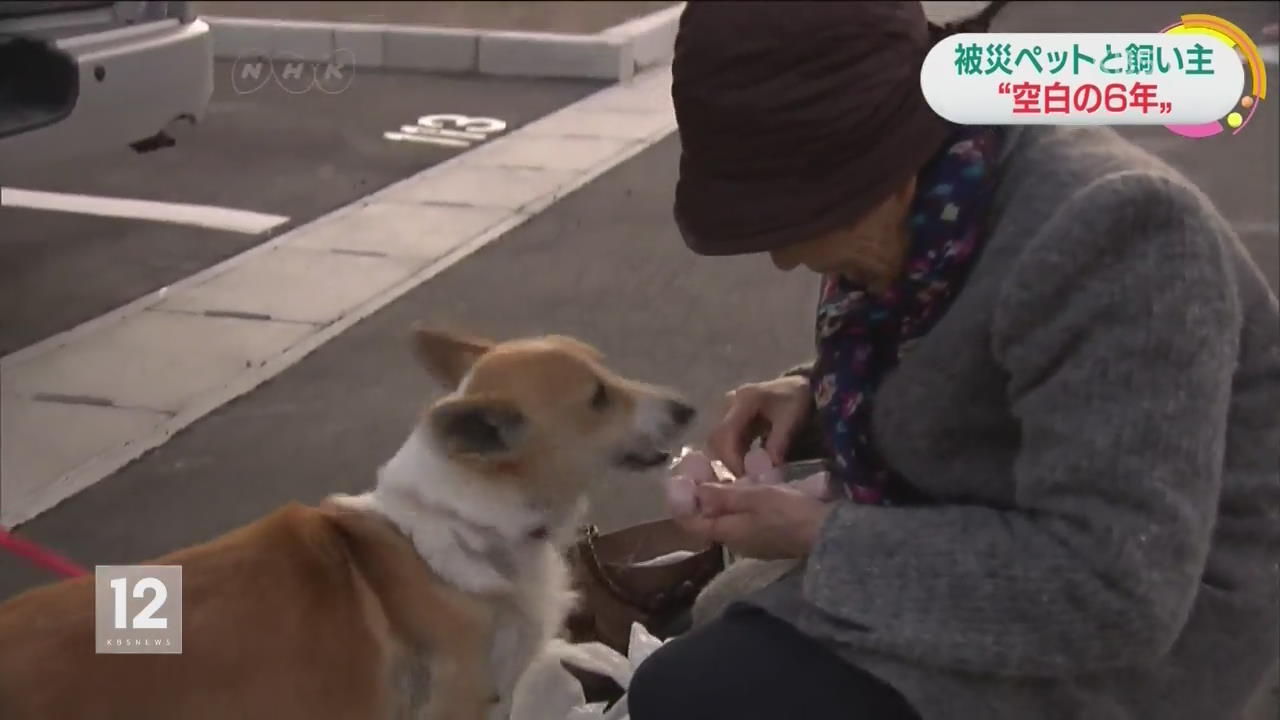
x=424, y=598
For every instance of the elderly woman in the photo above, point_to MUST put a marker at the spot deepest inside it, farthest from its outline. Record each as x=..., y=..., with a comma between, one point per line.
x=1047, y=378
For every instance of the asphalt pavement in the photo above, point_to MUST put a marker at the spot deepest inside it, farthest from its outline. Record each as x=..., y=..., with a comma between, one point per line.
x=273, y=150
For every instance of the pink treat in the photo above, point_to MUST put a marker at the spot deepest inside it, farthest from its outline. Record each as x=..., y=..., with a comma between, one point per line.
x=689, y=470
x=681, y=498
x=757, y=461
x=760, y=469
x=694, y=465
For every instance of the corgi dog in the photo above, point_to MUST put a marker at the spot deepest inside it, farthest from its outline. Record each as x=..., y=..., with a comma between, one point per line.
x=424, y=598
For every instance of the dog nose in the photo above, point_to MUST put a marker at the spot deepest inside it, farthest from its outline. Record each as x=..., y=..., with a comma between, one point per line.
x=681, y=412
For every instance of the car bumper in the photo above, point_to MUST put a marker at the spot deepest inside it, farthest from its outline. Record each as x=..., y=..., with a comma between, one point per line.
x=134, y=82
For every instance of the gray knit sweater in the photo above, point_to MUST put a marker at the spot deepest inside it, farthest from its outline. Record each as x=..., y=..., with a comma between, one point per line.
x=1099, y=413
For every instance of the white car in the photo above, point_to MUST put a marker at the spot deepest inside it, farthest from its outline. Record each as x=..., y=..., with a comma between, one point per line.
x=80, y=77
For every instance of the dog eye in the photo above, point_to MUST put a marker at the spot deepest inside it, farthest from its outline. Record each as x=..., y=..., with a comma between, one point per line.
x=600, y=400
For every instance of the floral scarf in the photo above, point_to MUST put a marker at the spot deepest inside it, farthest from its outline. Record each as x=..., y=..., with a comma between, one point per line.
x=862, y=337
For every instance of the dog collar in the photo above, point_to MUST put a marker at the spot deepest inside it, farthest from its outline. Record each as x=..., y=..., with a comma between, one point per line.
x=483, y=543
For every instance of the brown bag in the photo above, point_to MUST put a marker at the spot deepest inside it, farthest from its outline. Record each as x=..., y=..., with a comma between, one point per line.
x=614, y=591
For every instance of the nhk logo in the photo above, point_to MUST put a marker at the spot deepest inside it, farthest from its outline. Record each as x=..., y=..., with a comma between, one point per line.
x=252, y=71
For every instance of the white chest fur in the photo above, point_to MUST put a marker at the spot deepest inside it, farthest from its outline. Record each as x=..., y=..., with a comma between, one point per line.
x=479, y=537
x=540, y=601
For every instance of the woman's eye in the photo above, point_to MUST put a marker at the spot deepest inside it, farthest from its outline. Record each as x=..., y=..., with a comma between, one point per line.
x=600, y=400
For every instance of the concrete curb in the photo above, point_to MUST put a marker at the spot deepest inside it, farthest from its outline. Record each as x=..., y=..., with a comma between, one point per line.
x=616, y=53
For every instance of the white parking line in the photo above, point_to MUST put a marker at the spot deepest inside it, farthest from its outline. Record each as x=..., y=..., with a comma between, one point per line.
x=206, y=216
x=1262, y=227
x=82, y=404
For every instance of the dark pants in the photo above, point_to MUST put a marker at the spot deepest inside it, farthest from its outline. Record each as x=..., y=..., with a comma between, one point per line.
x=748, y=665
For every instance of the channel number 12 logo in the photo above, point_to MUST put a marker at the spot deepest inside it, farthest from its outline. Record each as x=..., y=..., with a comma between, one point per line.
x=138, y=608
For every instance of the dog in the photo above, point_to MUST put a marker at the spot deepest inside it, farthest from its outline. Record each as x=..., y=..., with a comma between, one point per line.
x=424, y=598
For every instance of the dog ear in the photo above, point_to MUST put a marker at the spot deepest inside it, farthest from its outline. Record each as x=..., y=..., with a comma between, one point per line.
x=447, y=356
x=480, y=428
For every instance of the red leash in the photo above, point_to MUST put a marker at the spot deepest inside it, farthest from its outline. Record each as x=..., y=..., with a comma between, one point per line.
x=39, y=556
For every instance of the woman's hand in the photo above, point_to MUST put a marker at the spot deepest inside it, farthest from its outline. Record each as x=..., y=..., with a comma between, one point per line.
x=780, y=405
x=767, y=522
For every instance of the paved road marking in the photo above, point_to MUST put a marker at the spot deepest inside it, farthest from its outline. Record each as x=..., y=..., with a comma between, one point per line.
x=167, y=359
x=409, y=133
x=435, y=129
x=207, y=216
x=482, y=126
x=1258, y=226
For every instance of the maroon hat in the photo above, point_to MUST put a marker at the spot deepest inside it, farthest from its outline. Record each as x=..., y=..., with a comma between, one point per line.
x=795, y=118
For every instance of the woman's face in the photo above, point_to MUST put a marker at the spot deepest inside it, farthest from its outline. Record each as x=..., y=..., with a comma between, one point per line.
x=869, y=249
